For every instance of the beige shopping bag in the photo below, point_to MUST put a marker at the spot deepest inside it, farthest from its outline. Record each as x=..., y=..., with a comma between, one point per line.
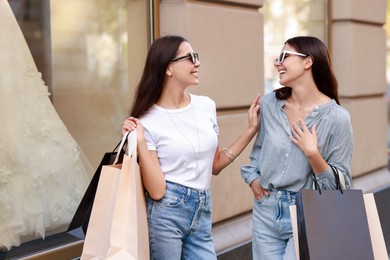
x=129, y=233
x=294, y=227
x=118, y=223
x=374, y=224
x=96, y=241
x=375, y=229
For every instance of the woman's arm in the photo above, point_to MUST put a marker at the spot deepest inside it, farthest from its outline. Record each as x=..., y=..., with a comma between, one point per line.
x=152, y=177
x=339, y=154
x=224, y=157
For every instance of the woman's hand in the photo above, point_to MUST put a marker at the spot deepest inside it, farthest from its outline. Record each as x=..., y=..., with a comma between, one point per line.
x=258, y=191
x=128, y=125
x=153, y=178
x=305, y=139
x=253, y=115
x=132, y=123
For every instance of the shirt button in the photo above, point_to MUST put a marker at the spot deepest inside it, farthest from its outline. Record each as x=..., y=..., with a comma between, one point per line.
x=286, y=154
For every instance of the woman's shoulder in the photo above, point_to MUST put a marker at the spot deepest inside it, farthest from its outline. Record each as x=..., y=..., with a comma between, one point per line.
x=269, y=97
x=153, y=113
x=270, y=100
x=338, y=110
x=333, y=112
x=202, y=100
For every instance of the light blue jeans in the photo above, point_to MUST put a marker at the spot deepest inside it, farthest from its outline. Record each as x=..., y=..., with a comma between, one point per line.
x=180, y=225
x=272, y=233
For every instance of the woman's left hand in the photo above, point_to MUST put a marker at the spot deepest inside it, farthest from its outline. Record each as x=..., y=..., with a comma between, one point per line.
x=253, y=115
x=305, y=139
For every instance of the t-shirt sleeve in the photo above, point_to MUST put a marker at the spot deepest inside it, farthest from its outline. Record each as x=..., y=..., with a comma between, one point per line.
x=151, y=144
x=214, y=118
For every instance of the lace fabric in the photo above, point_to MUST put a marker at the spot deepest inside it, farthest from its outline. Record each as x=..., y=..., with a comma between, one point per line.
x=43, y=172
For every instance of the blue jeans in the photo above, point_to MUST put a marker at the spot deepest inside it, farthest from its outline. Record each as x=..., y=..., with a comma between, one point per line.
x=272, y=233
x=180, y=224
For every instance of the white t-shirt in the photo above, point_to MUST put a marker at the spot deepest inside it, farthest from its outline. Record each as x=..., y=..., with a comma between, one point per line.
x=185, y=140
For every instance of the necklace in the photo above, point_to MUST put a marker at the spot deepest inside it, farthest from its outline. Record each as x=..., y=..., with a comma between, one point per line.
x=300, y=108
x=196, y=155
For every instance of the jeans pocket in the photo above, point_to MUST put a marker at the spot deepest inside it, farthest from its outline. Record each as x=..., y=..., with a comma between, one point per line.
x=261, y=201
x=170, y=200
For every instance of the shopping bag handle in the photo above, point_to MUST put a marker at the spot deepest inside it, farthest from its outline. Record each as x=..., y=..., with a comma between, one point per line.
x=336, y=176
x=120, y=146
x=132, y=143
x=130, y=137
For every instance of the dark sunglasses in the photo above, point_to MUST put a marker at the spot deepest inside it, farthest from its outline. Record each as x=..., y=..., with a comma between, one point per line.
x=284, y=54
x=192, y=55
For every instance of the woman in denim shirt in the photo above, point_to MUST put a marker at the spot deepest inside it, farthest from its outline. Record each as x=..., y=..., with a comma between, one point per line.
x=303, y=130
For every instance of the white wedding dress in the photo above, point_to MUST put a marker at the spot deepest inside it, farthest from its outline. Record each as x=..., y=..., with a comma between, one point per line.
x=43, y=172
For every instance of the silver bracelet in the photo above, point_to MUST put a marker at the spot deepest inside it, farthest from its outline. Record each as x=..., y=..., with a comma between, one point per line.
x=229, y=154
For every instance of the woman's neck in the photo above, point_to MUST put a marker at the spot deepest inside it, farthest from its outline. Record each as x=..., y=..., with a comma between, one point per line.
x=172, y=100
x=305, y=96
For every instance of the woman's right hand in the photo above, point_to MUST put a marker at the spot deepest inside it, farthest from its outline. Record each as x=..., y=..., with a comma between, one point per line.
x=132, y=123
x=153, y=178
x=128, y=125
x=258, y=191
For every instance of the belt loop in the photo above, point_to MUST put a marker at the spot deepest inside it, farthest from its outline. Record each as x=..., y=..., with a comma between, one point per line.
x=289, y=196
x=188, y=195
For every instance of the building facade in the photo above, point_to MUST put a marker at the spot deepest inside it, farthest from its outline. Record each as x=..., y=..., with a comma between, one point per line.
x=94, y=52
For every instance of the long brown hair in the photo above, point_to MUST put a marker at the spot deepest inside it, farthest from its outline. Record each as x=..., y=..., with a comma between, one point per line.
x=322, y=71
x=151, y=84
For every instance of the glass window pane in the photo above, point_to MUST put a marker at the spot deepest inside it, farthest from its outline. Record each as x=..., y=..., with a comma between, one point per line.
x=91, y=54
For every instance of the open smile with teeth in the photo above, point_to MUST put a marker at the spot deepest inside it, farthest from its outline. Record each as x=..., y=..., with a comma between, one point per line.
x=281, y=72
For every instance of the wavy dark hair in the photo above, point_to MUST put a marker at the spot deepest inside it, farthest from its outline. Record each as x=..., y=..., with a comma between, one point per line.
x=322, y=71
x=150, y=86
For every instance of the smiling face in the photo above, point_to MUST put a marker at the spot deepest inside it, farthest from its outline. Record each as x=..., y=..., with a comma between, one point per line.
x=290, y=65
x=184, y=71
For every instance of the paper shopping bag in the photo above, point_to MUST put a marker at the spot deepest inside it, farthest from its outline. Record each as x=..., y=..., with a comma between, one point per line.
x=118, y=223
x=374, y=224
x=332, y=225
x=294, y=227
x=129, y=231
x=79, y=224
x=96, y=241
x=376, y=234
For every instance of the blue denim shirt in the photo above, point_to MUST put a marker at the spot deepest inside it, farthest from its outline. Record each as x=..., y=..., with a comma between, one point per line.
x=280, y=164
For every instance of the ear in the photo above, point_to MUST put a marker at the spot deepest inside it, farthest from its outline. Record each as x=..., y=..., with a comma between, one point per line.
x=308, y=62
x=169, y=72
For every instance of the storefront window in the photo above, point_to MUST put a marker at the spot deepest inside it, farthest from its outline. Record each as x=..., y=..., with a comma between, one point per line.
x=284, y=19
x=90, y=54
x=34, y=22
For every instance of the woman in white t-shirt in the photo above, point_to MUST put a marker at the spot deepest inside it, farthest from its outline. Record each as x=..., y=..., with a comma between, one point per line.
x=178, y=150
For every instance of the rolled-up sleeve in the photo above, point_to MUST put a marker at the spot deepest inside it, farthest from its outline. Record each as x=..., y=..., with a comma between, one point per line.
x=340, y=154
x=250, y=172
